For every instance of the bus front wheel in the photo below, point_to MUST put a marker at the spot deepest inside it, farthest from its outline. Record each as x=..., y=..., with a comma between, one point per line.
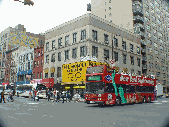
x=144, y=99
x=149, y=99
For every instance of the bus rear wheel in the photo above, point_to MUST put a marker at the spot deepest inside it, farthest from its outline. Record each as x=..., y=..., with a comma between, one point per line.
x=118, y=101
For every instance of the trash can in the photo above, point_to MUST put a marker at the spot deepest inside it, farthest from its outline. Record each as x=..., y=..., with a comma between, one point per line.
x=17, y=94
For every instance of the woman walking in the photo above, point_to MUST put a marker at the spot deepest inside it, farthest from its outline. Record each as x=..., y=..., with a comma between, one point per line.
x=54, y=94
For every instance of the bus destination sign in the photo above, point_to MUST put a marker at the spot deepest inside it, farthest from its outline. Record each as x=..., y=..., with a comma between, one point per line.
x=94, y=78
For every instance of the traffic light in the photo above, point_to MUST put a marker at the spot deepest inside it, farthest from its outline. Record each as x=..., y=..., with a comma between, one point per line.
x=28, y=2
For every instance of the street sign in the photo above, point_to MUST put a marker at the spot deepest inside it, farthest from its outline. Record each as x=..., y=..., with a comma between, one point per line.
x=112, y=63
x=108, y=78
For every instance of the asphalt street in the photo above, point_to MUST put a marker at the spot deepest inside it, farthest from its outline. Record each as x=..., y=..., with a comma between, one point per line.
x=25, y=113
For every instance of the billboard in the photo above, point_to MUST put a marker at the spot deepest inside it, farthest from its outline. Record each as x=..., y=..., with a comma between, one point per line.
x=23, y=40
x=76, y=72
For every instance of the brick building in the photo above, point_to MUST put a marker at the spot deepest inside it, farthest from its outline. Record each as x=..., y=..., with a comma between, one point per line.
x=38, y=62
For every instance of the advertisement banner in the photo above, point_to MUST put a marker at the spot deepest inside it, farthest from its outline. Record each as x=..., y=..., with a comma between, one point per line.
x=76, y=72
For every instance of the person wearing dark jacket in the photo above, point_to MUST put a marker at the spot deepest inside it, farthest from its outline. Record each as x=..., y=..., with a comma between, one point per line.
x=2, y=96
x=49, y=93
x=58, y=97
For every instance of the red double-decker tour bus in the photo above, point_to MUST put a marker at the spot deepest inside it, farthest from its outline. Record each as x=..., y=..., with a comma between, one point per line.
x=104, y=87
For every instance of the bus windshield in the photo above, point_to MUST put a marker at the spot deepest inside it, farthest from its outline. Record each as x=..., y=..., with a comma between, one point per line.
x=91, y=70
x=95, y=88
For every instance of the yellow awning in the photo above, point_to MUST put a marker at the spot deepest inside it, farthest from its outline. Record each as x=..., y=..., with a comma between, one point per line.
x=67, y=83
x=76, y=87
x=46, y=70
x=52, y=70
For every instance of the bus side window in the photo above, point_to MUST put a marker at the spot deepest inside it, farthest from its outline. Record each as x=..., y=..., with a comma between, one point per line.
x=109, y=88
x=132, y=89
x=127, y=88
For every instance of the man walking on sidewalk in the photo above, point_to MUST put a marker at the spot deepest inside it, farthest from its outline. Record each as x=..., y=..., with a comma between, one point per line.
x=49, y=93
x=63, y=96
x=2, y=96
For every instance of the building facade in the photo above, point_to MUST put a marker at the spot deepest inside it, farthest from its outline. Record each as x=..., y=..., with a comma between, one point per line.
x=25, y=67
x=151, y=22
x=118, y=12
x=89, y=35
x=38, y=62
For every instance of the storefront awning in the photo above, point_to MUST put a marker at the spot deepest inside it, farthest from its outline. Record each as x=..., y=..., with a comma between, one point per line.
x=76, y=87
x=29, y=72
x=46, y=70
x=52, y=70
x=67, y=83
x=5, y=83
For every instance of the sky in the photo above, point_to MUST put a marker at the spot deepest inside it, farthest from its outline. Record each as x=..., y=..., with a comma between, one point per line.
x=44, y=15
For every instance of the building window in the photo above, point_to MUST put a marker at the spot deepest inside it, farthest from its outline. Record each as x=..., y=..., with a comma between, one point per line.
x=94, y=34
x=41, y=52
x=66, y=54
x=110, y=15
x=132, y=71
x=106, y=38
x=105, y=3
x=83, y=34
x=53, y=44
x=124, y=45
x=109, y=8
x=116, y=56
x=139, y=72
x=138, y=62
x=53, y=58
x=94, y=51
x=46, y=75
x=40, y=75
x=52, y=75
x=23, y=58
x=74, y=37
x=138, y=50
x=105, y=16
x=47, y=58
x=132, y=60
x=59, y=56
x=38, y=64
x=47, y=46
x=115, y=42
x=131, y=47
x=66, y=40
x=106, y=54
x=41, y=63
x=34, y=75
x=29, y=65
x=59, y=42
x=38, y=53
x=82, y=51
x=58, y=71
x=41, y=42
x=124, y=58
x=74, y=53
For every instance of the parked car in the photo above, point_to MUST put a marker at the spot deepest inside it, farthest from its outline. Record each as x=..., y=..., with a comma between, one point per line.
x=167, y=95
